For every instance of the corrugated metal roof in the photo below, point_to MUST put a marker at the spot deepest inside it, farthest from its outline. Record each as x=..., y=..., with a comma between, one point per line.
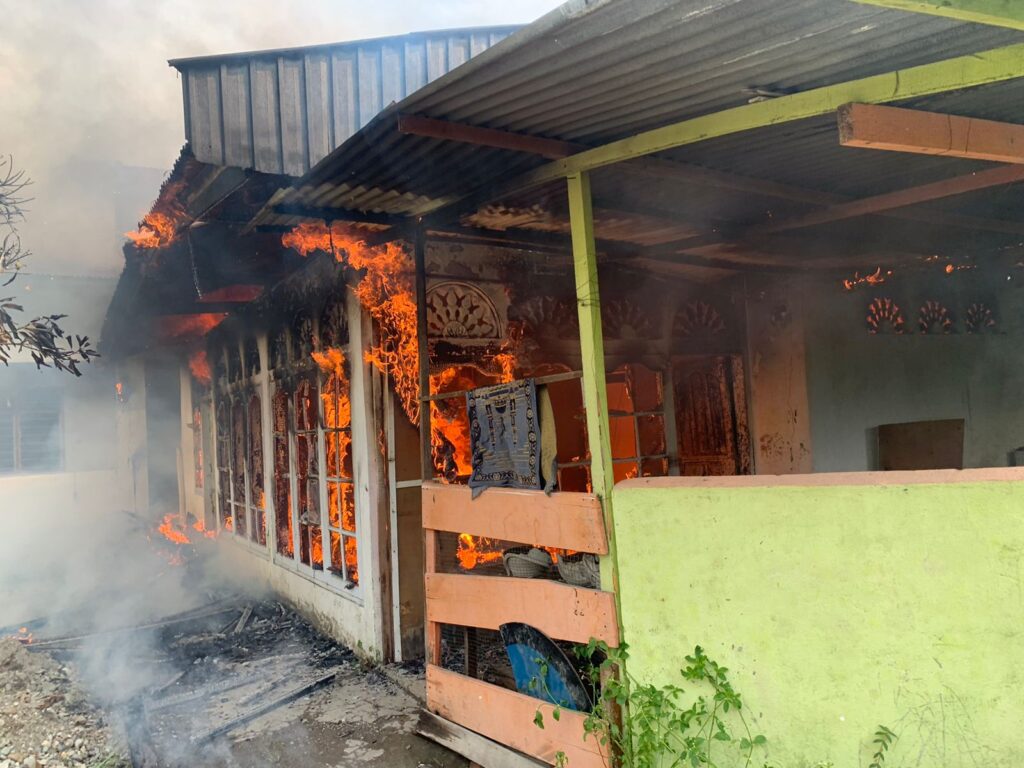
x=591, y=72
x=281, y=111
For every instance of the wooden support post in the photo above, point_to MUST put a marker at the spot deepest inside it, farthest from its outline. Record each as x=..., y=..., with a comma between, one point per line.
x=433, y=629
x=595, y=391
x=426, y=453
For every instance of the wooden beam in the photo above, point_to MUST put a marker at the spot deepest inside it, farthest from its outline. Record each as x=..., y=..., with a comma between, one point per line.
x=997, y=13
x=423, y=352
x=418, y=125
x=507, y=717
x=564, y=520
x=957, y=185
x=559, y=610
x=992, y=66
x=471, y=745
x=896, y=129
x=338, y=214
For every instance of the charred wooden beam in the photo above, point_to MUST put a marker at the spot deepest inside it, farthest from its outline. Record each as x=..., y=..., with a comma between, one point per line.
x=338, y=214
x=418, y=125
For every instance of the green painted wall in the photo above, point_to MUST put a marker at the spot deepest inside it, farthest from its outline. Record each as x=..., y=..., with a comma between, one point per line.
x=838, y=609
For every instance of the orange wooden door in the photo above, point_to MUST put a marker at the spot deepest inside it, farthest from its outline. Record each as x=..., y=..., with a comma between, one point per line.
x=706, y=417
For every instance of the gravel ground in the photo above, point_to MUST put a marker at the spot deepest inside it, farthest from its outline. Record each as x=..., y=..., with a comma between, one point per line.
x=45, y=719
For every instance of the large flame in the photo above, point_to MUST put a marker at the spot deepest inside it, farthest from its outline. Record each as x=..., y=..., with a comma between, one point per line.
x=385, y=292
x=199, y=364
x=190, y=326
x=156, y=230
x=169, y=532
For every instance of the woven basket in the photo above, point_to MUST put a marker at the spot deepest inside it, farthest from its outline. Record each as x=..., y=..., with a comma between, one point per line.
x=526, y=562
x=581, y=570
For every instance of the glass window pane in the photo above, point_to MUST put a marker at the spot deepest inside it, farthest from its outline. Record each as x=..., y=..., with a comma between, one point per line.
x=352, y=559
x=348, y=507
x=623, y=437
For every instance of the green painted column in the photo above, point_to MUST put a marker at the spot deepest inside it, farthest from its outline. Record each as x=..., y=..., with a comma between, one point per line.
x=595, y=393
x=999, y=13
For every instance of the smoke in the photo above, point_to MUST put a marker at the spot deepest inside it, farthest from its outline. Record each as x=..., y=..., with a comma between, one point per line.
x=88, y=97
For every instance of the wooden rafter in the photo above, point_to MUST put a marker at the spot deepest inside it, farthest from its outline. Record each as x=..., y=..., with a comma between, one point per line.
x=872, y=126
x=418, y=125
x=999, y=13
x=957, y=185
x=992, y=66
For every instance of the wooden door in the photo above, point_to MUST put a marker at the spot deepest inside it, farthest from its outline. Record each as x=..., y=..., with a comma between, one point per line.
x=710, y=416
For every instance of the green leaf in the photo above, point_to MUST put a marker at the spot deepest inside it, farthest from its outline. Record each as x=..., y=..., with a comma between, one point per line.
x=538, y=719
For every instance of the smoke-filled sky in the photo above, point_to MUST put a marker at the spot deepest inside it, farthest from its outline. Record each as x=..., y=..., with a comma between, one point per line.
x=87, y=100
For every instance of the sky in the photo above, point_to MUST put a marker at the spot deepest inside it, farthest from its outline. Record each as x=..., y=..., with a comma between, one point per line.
x=88, y=103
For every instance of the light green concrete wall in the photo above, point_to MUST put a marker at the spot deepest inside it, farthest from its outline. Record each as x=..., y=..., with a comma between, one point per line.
x=839, y=608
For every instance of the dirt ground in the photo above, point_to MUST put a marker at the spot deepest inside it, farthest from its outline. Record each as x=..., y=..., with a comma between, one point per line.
x=364, y=719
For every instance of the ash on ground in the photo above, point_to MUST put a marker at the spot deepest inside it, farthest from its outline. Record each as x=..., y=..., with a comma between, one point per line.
x=232, y=683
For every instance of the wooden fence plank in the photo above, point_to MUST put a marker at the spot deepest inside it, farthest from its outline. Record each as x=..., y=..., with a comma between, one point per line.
x=471, y=745
x=566, y=520
x=559, y=610
x=507, y=717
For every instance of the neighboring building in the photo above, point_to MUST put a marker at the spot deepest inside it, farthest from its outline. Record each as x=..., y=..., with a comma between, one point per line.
x=57, y=436
x=798, y=354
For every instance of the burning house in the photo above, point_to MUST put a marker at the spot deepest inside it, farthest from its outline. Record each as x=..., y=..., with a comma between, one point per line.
x=759, y=265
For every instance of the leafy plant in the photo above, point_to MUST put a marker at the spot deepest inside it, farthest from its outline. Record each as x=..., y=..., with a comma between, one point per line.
x=883, y=740
x=647, y=726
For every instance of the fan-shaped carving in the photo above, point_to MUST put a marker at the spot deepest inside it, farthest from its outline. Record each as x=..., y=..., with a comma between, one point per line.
x=461, y=311
x=933, y=317
x=979, y=318
x=623, y=319
x=548, y=316
x=697, y=318
x=882, y=314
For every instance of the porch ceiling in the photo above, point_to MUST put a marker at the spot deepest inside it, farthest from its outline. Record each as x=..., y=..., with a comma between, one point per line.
x=590, y=73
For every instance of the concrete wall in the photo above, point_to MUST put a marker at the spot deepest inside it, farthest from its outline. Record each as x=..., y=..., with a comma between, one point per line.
x=839, y=602
x=780, y=419
x=857, y=381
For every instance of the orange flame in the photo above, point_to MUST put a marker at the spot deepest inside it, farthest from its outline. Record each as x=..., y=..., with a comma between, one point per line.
x=200, y=526
x=875, y=278
x=199, y=364
x=156, y=230
x=169, y=532
x=476, y=550
x=385, y=292
x=190, y=326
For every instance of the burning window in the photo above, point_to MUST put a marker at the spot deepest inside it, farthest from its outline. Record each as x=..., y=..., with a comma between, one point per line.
x=30, y=434
x=282, y=474
x=307, y=473
x=636, y=400
x=257, y=496
x=238, y=466
x=223, y=422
